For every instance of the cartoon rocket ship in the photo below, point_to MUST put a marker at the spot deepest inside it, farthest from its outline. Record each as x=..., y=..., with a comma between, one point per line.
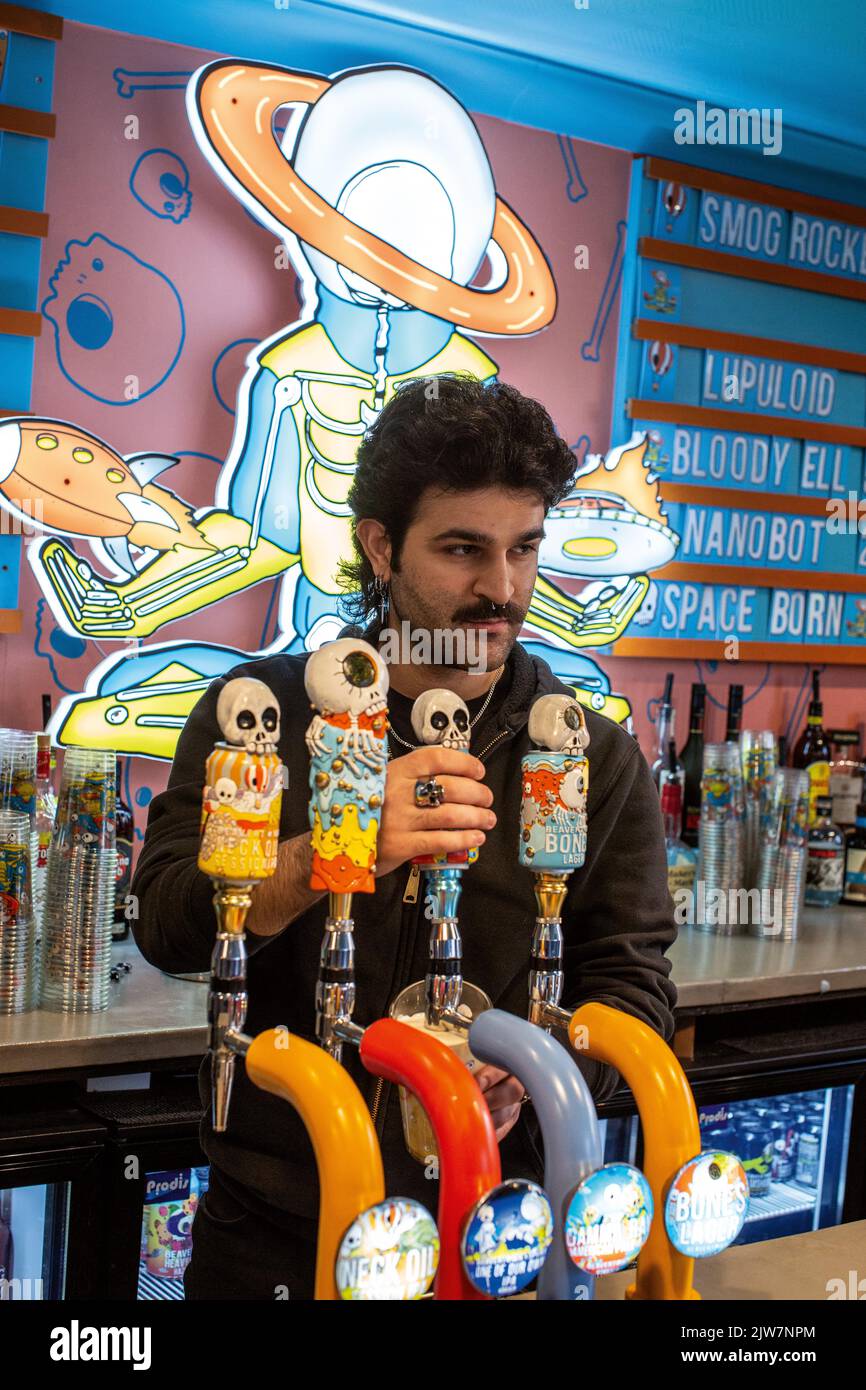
x=57, y=476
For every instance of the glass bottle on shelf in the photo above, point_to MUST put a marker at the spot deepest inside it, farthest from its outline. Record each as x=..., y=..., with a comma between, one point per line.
x=43, y=823
x=125, y=825
x=692, y=759
x=666, y=729
x=846, y=776
x=812, y=751
x=855, y=861
x=825, y=858
x=734, y=717
x=682, y=859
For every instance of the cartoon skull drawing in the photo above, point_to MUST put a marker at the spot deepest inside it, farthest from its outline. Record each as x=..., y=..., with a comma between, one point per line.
x=440, y=716
x=557, y=722
x=248, y=714
x=160, y=182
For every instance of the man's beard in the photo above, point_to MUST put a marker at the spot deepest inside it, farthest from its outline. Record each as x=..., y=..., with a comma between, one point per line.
x=470, y=649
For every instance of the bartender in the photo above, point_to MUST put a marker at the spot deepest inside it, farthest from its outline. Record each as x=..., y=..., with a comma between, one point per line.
x=449, y=496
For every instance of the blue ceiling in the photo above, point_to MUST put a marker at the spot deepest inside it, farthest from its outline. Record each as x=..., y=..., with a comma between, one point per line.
x=613, y=72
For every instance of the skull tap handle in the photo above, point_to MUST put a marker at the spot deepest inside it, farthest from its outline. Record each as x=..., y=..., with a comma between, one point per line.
x=555, y=780
x=240, y=827
x=469, y=1163
x=440, y=718
x=347, y=682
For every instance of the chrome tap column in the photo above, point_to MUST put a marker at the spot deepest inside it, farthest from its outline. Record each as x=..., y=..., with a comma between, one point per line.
x=552, y=839
x=347, y=682
x=440, y=718
x=239, y=837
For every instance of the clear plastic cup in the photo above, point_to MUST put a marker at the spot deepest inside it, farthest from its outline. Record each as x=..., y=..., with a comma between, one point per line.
x=408, y=1007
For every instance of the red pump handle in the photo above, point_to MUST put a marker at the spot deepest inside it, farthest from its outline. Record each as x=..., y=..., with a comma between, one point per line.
x=468, y=1152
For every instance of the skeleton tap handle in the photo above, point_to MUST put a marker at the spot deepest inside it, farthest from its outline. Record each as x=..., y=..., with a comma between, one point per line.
x=240, y=827
x=439, y=717
x=555, y=780
x=347, y=684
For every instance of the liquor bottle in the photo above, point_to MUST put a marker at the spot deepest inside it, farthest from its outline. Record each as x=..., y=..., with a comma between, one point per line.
x=812, y=751
x=125, y=825
x=735, y=713
x=855, y=861
x=666, y=729
x=825, y=858
x=692, y=759
x=43, y=823
x=846, y=776
x=682, y=860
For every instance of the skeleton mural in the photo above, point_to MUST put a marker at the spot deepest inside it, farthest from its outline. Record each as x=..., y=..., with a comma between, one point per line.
x=381, y=190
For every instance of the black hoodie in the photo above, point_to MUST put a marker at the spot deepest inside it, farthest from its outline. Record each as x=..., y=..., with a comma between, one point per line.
x=617, y=924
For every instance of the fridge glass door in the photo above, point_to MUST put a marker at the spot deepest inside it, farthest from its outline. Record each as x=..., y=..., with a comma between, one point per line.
x=33, y=1235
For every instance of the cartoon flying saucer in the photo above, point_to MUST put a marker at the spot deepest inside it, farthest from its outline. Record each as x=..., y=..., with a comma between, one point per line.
x=612, y=523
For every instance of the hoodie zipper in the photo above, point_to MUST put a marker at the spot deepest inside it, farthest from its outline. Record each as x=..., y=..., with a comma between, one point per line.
x=410, y=895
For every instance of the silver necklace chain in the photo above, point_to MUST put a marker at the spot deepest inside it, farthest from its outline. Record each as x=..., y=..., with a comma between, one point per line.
x=472, y=722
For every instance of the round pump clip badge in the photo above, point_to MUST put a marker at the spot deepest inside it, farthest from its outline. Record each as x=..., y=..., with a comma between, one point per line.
x=706, y=1204
x=507, y=1237
x=608, y=1219
x=389, y=1254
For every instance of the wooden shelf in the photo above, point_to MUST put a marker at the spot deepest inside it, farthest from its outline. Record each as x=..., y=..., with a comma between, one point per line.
x=687, y=649
x=18, y=120
x=23, y=222
x=22, y=323
x=36, y=23
x=10, y=620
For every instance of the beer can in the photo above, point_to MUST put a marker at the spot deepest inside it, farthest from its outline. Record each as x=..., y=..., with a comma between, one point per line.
x=553, y=810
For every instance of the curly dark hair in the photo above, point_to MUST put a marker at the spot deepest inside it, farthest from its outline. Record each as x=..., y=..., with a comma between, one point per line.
x=451, y=432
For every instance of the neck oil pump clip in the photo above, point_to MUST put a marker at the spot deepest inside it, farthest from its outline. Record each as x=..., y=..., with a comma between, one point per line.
x=697, y=1202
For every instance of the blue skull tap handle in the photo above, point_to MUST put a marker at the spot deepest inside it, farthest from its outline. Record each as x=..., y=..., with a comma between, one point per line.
x=569, y=1127
x=555, y=782
x=439, y=717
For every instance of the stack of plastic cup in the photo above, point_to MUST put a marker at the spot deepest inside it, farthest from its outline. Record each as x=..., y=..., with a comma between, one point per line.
x=18, y=793
x=79, y=893
x=783, y=852
x=720, y=862
x=759, y=759
x=17, y=928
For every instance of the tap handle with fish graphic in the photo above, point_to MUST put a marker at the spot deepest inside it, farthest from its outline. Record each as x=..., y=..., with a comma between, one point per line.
x=555, y=784
x=240, y=827
x=347, y=684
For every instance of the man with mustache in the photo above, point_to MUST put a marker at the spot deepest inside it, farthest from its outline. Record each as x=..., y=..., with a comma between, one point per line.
x=452, y=484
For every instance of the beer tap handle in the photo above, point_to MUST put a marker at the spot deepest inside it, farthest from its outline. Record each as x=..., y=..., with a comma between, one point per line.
x=347, y=682
x=240, y=826
x=469, y=1162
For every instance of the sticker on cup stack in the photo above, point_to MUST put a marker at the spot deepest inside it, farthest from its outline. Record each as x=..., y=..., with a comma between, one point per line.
x=389, y=1254
x=507, y=1237
x=608, y=1219
x=706, y=1204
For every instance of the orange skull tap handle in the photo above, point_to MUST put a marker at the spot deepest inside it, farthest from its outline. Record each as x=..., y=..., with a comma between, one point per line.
x=468, y=1153
x=670, y=1130
x=340, y=1128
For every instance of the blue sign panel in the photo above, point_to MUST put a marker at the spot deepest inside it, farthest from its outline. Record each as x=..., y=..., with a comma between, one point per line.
x=782, y=237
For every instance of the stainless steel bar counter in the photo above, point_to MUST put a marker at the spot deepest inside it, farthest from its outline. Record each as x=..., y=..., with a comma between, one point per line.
x=154, y=1017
